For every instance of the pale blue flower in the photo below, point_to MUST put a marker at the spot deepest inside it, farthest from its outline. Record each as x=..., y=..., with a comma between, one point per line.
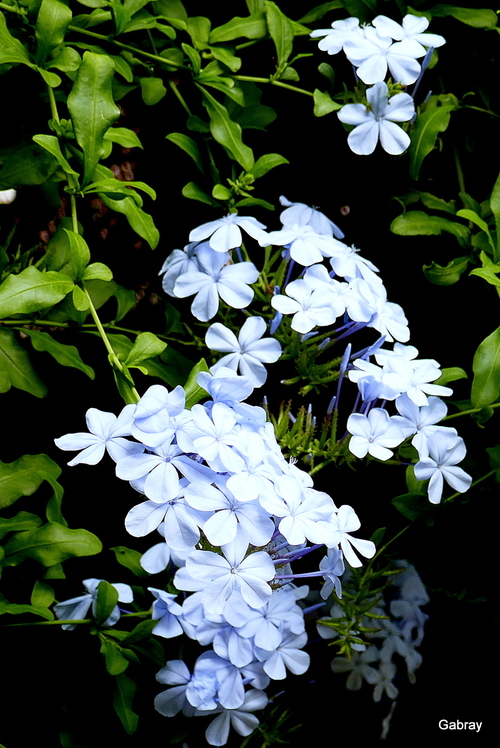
x=77, y=608
x=225, y=232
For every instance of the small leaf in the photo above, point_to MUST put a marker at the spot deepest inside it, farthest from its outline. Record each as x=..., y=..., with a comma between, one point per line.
x=51, y=144
x=42, y=595
x=319, y=11
x=479, y=18
x=324, y=104
x=107, y=599
x=495, y=209
x=193, y=192
x=146, y=346
x=448, y=274
x=21, y=521
x=66, y=355
x=16, y=369
x=153, y=90
x=116, y=663
x=188, y=145
x=226, y=132
x=80, y=299
x=451, y=374
x=195, y=393
x=486, y=368
x=430, y=123
x=266, y=163
x=415, y=507
x=80, y=253
x=251, y=27
x=418, y=223
x=123, y=696
x=23, y=476
x=50, y=544
x=123, y=136
x=51, y=23
x=11, y=49
x=97, y=271
x=281, y=32
x=130, y=559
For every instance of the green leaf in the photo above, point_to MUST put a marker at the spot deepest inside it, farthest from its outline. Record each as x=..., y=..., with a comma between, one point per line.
x=471, y=215
x=68, y=60
x=116, y=663
x=153, y=90
x=486, y=368
x=446, y=275
x=92, y=108
x=198, y=29
x=430, y=123
x=123, y=136
x=107, y=599
x=415, y=507
x=451, y=374
x=193, y=192
x=123, y=696
x=31, y=291
x=170, y=8
x=130, y=559
x=80, y=253
x=80, y=300
x=281, y=32
x=115, y=188
x=320, y=10
x=146, y=345
x=479, y=18
x=50, y=544
x=11, y=49
x=66, y=355
x=418, y=223
x=251, y=27
x=430, y=201
x=222, y=54
x=266, y=163
x=23, y=476
x=495, y=209
x=15, y=367
x=254, y=201
x=170, y=367
x=27, y=166
x=142, y=223
x=42, y=595
x=324, y=104
x=489, y=272
x=226, y=132
x=256, y=117
x=14, y=609
x=325, y=69
x=195, y=393
x=97, y=271
x=51, y=23
x=21, y=521
x=188, y=145
x=51, y=144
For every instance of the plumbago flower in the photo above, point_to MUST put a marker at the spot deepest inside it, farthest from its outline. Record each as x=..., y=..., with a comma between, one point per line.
x=225, y=233
x=378, y=122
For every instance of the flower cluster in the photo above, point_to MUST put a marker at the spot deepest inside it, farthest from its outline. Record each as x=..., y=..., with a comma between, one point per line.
x=234, y=515
x=375, y=49
x=400, y=630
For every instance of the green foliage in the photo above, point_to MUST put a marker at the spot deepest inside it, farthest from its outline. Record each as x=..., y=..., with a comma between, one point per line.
x=486, y=368
x=50, y=544
x=433, y=120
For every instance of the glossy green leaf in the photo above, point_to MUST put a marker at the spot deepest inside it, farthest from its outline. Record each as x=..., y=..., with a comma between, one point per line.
x=16, y=610
x=51, y=79
x=15, y=367
x=415, y=507
x=489, y=272
x=281, y=32
x=193, y=192
x=107, y=599
x=51, y=144
x=123, y=696
x=221, y=193
x=42, y=595
x=188, y=145
x=222, y=54
x=266, y=163
x=256, y=117
x=170, y=8
x=152, y=90
x=446, y=275
x=418, y=223
x=320, y=10
x=31, y=291
x=123, y=136
x=251, y=27
x=92, y=108
x=254, y=201
x=430, y=123
x=20, y=522
x=97, y=271
x=80, y=253
x=325, y=69
x=495, y=209
x=130, y=559
x=51, y=23
x=235, y=93
x=68, y=60
x=486, y=368
x=11, y=49
x=451, y=374
x=66, y=355
x=195, y=393
x=479, y=18
x=324, y=104
x=430, y=201
x=170, y=367
x=80, y=299
x=141, y=222
x=198, y=29
x=27, y=166
x=23, y=476
x=116, y=663
x=146, y=345
x=226, y=132
x=50, y=544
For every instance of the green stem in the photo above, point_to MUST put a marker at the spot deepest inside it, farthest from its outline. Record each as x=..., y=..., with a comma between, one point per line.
x=177, y=93
x=255, y=79
x=53, y=105
x=468, y=412
x=475, y=483
x=11, y=8
x=61, y=622
x=129, y=47
x=112, y=355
